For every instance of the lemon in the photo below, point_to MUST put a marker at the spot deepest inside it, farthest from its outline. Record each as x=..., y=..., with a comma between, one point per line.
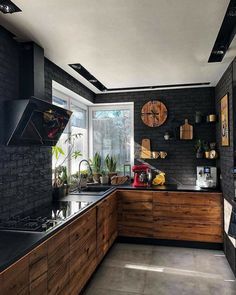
x=159, y=179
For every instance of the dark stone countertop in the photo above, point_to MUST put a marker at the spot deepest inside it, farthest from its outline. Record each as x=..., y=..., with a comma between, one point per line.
x=16, y=244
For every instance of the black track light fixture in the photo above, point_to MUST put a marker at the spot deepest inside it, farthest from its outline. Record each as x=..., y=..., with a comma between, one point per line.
x=7, y=6
x=225, y=35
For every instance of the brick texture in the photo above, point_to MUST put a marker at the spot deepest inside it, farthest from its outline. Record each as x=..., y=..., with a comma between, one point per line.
x=226, y=161
x=53, y=72
x=180, y=165
x=25, y=172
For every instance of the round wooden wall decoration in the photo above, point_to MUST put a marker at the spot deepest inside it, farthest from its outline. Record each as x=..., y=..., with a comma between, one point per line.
x=154, y=113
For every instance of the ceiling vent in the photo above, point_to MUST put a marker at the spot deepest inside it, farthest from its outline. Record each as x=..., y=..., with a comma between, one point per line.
x=6, y=6
x=225, y=35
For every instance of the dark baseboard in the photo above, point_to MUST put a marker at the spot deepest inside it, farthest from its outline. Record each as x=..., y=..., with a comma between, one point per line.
x=187, y=244
x=230, y=253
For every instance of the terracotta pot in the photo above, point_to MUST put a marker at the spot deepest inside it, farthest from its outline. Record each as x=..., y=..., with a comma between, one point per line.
x=96, y=177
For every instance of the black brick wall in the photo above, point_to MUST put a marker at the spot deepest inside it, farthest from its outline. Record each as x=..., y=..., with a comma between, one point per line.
x=53, y=72
x=180, y=165
x=226, y=161
x=25, y=172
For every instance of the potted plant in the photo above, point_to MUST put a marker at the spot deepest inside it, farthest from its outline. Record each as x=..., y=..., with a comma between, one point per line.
x=206, y=148
x=96, y=164
x=104, y=179
x=111, y=163
x=60, y=175
x=199, y=149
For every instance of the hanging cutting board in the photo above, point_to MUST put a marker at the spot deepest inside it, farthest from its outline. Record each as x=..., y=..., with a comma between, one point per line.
x=186, y=131
x=145, y=149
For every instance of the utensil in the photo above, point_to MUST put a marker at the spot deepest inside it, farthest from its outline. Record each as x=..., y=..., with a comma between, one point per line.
x=146, y=149
x=162, y=154
x=155, y=155
x=186, y=131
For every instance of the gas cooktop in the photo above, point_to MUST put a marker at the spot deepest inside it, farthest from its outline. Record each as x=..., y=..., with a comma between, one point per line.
x=44, y=218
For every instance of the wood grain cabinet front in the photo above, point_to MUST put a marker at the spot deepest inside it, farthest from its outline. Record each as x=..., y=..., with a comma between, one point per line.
x=188, y=216
x=38, y=270
x=135, y=218
x=83, y=260
x=15, y=279
x=106, y=225
x=58, y=262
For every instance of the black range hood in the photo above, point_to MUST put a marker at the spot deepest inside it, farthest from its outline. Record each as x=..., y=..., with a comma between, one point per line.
x=30, y=119
x=33, y=122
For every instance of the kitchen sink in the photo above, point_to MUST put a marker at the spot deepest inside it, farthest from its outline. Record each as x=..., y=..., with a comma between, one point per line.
x=96, y=188
x=92, y=190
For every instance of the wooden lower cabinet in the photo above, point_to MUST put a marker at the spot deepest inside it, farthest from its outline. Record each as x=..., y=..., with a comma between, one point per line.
x=135, y=218
x=83, y=260
x=15, y=279
x=64, y=263
x=38, y=270
x=106, y=225
x=58, y=262
x=188, y=216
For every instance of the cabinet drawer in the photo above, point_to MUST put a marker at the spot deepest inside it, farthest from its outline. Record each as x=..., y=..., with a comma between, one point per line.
x=174, y=230
x=135, y=196
x=187, y=213
x=81, y=229
x=188, y=198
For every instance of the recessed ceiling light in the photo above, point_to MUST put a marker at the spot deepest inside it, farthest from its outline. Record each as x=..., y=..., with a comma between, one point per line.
x=89, y=77
x=6, y=6
x=225, y=35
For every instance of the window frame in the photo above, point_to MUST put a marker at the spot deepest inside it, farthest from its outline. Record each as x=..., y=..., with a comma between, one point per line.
x=111, y=106
x=71, y=99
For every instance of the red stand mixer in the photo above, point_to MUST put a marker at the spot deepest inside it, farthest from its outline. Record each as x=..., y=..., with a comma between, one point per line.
x=142, y=175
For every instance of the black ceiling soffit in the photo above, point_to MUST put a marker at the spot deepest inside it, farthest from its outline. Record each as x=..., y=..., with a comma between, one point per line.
x=6, y=6
x=85, y=74
x=160, y=86
x=225, y=35
x=90, y=78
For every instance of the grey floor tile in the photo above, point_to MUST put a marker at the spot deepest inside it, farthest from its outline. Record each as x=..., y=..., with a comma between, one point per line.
x=179, y=258
x=124, y=256
x=118, y=279
x=164, y=283
x=92, y=291
x=213, y=262
x=130, y=269
x=216, y=286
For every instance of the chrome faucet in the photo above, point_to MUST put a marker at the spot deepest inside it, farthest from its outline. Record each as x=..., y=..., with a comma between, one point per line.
x=80, y=176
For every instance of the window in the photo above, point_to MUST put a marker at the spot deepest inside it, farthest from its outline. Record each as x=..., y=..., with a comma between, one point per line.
x=78, y=124
x=111, y=132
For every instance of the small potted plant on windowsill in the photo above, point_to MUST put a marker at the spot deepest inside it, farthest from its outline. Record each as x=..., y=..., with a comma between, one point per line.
x=111, y=164
x=104, y=179
x=96, y=164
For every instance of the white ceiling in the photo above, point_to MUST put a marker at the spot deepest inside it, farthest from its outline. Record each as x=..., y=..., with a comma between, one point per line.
x=127, y=43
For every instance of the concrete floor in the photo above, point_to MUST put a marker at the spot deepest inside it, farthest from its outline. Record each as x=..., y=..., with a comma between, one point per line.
x=130, y=269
